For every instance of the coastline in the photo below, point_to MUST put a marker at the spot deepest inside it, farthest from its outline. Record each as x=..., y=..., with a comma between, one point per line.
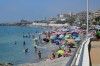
x=20, y=35
x=47, y=62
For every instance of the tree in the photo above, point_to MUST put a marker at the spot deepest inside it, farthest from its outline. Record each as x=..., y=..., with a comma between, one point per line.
x=97, y=19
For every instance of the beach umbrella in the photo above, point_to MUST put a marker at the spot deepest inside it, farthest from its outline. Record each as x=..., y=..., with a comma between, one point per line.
x=62, y=46
x=62, y=32
x=73, y=37
x=70, y=40
x=64, y=29
x=68, y=32
x=75, y=34
x=54, y=33
x=61, y=36
x=74, y=43
x=61, y=42
x=58, y=33
x=91, y=36
x=60, y=52
x=67, y=36
x=53, y=37
x=57, y=40
x=76, y=30
x=77, y=39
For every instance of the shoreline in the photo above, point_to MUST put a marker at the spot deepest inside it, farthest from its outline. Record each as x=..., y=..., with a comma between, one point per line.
x=44, y=27
x=47, y=61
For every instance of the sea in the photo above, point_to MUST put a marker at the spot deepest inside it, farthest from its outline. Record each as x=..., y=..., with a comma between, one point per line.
x=12, y=49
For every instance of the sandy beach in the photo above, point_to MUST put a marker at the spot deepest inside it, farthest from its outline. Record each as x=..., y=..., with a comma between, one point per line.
x=56, y=62
x=62, y=61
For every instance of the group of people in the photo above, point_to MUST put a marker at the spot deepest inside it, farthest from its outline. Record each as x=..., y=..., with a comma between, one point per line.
x=37, y=40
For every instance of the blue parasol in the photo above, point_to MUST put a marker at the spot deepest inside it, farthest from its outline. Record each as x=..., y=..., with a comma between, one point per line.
x=77, y=39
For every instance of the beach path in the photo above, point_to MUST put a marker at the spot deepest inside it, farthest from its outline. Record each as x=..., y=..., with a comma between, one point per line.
x=95, y=53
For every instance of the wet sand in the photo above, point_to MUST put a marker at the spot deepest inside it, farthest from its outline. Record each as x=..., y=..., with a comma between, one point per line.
x=56, y=62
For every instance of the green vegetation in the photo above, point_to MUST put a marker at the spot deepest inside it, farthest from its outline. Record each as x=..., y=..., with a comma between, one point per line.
x=70, y=21
x=96, y=20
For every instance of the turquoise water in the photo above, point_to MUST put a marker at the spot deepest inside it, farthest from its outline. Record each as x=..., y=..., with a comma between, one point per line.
x=14, y=53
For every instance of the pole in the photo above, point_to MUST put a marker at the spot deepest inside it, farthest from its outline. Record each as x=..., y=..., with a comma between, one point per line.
x=87, y=17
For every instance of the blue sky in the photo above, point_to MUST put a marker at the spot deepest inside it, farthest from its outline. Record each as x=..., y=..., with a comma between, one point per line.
x=15, y=10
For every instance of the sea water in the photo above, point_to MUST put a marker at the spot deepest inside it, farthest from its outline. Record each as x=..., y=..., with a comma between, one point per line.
x=14, y=53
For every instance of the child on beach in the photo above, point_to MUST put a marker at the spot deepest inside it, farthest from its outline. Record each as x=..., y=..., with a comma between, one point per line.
x=53, y=56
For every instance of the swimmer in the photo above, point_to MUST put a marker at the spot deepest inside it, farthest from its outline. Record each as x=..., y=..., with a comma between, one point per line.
x=24, y=43
x=26, y=50
x=15, y=42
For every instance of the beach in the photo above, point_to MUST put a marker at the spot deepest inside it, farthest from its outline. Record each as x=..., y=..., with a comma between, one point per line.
x=56, y=62
x=62, y=61
x=12, y=47
x=46, y=48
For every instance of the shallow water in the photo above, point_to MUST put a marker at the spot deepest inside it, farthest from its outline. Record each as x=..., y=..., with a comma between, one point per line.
x=14, y=53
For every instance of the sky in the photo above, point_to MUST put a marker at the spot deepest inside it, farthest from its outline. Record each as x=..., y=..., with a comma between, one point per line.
x=15, y=10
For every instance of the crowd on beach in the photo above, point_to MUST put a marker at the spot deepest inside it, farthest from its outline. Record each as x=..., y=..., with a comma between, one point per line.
x=65, y=38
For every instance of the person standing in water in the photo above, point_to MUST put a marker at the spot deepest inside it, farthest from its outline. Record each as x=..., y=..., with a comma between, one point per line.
x=35, y=49
x=23, y=35
x=29, y=35
x=39, y=54
x=35, y=45
x=33, y=36
x=15, y=42
x=26, y=50
x=24, y=43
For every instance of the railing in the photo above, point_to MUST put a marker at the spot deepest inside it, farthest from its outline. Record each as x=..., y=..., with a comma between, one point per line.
x=79, y=63
x=77, y=56
x=72, y=57
x=70, y=62
x=86, y=59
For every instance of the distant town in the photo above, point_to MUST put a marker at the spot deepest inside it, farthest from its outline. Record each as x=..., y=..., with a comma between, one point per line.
x=94, y=18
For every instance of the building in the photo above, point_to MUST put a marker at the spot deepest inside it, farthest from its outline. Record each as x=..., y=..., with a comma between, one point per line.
x=63, y=17
x=97, y=13
x=52, y=20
